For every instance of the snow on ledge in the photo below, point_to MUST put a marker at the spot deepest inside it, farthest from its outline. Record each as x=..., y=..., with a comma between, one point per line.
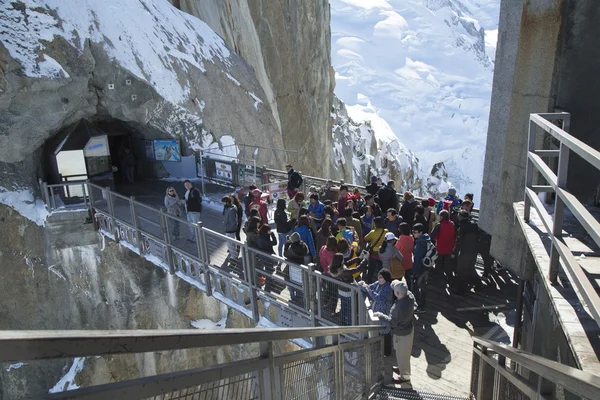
x=67, y=382
x=23, y=202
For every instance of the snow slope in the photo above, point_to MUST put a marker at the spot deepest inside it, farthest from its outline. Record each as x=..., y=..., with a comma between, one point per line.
x=423, y=66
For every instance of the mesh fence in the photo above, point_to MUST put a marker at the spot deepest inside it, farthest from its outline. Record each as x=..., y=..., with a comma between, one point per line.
x=475, y=373
x=121, y=208
x=182, y=235
x=280, y=280
x=242, y=387
x=337, y=303
x=98, y=196
x=354, y=372
x=148, y=219
x=507, y=390
x=313, y=378
x=377, y=363
x=68, y=196
x=219, y=249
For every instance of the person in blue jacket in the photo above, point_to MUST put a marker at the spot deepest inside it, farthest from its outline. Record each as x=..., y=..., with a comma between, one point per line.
x=451, y=197
x=420, y=271
x=316, y=210
x=303, y=229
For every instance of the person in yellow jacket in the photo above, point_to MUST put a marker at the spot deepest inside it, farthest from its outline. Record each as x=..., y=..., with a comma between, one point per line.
x=350, y=253
x=373, y=240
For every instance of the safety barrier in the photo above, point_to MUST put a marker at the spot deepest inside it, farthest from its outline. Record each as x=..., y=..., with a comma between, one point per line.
x=259, y=284
x=337, y=369
x=503, y=372
x=560, y=253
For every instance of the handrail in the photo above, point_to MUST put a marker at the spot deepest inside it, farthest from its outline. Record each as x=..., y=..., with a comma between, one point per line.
x=40, y=345
x=572, y=379
x=557, y=183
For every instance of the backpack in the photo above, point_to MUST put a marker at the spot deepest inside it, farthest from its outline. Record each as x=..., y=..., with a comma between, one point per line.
x=447, y=205
x=431, y=255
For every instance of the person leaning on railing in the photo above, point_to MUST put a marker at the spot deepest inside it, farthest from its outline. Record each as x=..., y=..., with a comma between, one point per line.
x=400, y=320
x=340, y=271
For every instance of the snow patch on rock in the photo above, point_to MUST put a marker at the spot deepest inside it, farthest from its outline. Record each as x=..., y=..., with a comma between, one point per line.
x=23, y=202
x=142, y=45
x=67, y=382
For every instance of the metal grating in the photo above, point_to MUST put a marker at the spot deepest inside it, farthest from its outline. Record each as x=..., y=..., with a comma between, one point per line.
x=377, y=363
x=390, y=393
x=506, y=390
x=475, y=373
x=241, y=387
x=354, y=372
x=310, y=379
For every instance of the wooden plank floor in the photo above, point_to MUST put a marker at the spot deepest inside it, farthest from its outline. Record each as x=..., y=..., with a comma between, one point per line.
x=442, y=348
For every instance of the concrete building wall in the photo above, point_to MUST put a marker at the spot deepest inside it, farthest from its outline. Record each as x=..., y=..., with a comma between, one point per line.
x=524, y=82
x=578, y=88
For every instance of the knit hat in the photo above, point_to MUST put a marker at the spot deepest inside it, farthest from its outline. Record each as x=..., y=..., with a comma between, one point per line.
x=295, y=237
x=452, y=192
x=390, y=236
x=399, y=286
x=256, y=193
x=431, y=201
x=373, y=179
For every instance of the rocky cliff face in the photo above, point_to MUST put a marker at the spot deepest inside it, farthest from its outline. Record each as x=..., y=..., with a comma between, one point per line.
x=65, y=276
x=288, y=45
x=141, y=62
x=360, y=151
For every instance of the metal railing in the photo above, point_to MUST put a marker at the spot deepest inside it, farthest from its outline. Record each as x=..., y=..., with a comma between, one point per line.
x=335, y=370
x=499, y=371
x=560, y=254
x=259, y=284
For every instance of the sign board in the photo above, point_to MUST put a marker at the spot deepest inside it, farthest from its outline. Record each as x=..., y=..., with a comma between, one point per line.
x=167, y=150
x=97, y=146
x=224, y=171
x=278, y=190
x=149, y=149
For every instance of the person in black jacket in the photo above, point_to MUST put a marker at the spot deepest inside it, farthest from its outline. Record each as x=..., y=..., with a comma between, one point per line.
x=248, y=198
x=294, y=181
x=467, y=246
x=340, y=271
x=373, y=188
x=370, y=201
x=386, y=197
x=193, y=205
x=240, y=213
x=282, y=224
x=407, y=211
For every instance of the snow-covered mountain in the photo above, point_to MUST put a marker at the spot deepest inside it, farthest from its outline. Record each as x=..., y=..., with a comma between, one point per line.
x=425, y=67
x=363, y=149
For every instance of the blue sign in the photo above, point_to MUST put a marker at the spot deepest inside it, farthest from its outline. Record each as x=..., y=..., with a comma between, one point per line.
x=167, y=150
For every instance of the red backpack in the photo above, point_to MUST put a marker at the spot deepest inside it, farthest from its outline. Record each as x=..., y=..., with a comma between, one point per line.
x=447, y=205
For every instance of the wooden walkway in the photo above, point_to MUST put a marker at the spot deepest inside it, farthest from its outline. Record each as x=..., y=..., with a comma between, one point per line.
x=442, y=349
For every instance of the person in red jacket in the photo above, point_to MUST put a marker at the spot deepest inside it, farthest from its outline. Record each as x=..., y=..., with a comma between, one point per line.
x=261, y=206
x=444, y=234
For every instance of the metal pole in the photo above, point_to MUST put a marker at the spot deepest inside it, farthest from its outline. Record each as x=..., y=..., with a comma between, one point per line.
x=254, y=160
x=111, y=211
x=84, y=195
x=559, y=210
x=519, y=314
x=165, y=223
x=52, y=198
x=202, y=174
x=529, y=170
x=134, y=220
x=92, y=213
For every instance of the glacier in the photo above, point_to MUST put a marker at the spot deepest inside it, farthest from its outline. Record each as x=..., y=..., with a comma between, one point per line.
x=425, y=67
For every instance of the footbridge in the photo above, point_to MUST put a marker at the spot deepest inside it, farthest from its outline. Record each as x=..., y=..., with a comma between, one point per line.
x=462, y=344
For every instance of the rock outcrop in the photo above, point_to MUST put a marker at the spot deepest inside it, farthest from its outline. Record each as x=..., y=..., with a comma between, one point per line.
x=359, y=151
x=141, y=62
x=289, y=46
x=66, y=276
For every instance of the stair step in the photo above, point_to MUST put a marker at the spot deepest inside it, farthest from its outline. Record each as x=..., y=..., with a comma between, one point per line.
x=391, y=393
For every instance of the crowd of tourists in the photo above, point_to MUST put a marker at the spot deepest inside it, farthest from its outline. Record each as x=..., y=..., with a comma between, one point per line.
x=386, y=248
